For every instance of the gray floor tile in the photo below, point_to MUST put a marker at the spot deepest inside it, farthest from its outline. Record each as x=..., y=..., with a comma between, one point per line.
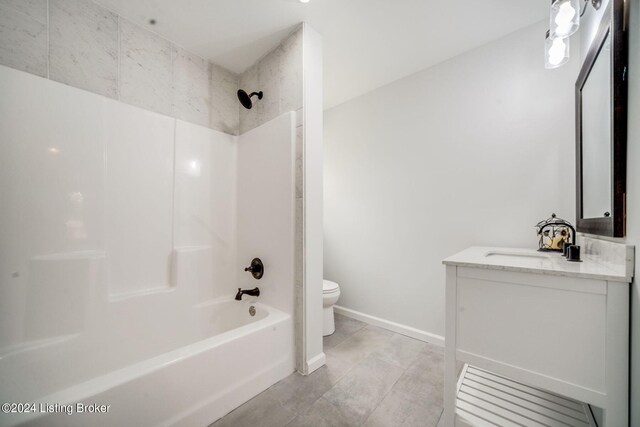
x=264, y=410
x=437, y=355
x=323, y=414
x=372, y=376
x=416, y=398
x=364, y=387
x=400, y=350
x=361, y=344
x=397, y=410
x=337, y=367
x=345, y=327
x=298, y=392
x=429, y=364
x=423, y=417
x=416, y=386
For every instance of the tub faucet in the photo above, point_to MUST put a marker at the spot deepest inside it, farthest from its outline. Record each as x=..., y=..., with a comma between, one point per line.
x=255, y=292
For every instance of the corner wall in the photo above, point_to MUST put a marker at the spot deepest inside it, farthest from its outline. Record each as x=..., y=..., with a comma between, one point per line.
x=290, y=77
x=278, y=74
x=473, y=151
x=313, y=201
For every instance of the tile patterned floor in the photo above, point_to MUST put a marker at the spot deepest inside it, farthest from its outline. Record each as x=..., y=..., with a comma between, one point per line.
x=373, y=378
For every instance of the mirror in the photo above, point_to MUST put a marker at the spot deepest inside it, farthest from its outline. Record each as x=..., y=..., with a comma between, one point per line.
x=601, y=126
x=596, y=137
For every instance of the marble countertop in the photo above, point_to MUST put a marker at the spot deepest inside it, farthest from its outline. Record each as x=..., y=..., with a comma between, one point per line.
x=533, y=261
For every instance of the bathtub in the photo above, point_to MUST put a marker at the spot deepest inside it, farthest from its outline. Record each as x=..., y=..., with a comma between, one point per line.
x=233, y=357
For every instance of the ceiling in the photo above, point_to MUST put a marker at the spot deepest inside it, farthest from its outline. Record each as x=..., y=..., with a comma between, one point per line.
x=367, y=43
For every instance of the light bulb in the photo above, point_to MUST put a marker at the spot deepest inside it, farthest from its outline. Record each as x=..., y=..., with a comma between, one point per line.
x=565, y=18
x=556, y=52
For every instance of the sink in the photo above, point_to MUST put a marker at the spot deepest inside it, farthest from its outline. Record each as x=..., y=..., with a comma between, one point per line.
x=518, y=256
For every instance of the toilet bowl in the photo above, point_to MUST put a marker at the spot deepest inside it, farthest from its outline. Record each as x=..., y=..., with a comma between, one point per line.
x=330, y=295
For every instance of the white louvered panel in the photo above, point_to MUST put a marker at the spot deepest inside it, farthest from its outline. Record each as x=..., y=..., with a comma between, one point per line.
x=548, y=401
x=561, y=400
x=558, y=412
x=481, y=416
x=487, y=399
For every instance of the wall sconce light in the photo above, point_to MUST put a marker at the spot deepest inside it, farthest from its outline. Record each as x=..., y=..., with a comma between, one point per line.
x=564, y=21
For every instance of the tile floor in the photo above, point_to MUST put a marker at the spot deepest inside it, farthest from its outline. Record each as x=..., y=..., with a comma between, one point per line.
x=373, y=377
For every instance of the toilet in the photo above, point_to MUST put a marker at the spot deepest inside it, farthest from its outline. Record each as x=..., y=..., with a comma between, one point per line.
x=330, y=295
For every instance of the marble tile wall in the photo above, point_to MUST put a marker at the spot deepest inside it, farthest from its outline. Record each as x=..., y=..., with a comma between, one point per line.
x=23, y=35
x=82, y=44
x=279, y=76
x=225, y=108
x=191, y=91
x=146, y=64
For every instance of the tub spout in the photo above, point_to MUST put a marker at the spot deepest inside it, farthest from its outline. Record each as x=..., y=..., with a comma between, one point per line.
x=255, y=292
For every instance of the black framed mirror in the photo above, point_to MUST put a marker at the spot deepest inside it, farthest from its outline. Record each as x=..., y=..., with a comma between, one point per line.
x=601, y=128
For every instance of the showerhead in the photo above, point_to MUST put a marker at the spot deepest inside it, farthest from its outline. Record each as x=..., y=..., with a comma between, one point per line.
x=245, y=99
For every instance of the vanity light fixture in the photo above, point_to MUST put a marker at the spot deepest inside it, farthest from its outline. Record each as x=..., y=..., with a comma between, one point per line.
x=304, y=1
x=564, y=21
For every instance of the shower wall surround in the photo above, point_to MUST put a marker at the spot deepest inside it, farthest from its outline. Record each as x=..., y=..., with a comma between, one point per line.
x=103, y=202
x=82, y=44
x=123, y=237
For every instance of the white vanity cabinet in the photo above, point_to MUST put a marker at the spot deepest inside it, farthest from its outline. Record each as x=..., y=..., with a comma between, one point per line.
x=536, y=319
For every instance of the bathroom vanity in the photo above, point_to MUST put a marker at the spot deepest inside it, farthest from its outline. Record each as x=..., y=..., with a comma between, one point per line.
x=531, y=324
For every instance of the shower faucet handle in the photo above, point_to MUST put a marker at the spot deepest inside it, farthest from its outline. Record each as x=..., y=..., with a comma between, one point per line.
x=256, y=268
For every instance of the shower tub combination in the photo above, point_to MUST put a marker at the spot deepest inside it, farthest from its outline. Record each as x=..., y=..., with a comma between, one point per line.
x=232, y=357
x=121, y=304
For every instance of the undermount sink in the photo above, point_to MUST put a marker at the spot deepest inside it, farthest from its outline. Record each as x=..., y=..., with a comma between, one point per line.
x=517, y=255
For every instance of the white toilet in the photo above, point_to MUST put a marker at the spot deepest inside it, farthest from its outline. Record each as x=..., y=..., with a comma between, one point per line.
x=330, y=295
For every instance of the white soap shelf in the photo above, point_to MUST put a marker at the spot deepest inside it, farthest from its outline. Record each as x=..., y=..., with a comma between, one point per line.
x=488, y=399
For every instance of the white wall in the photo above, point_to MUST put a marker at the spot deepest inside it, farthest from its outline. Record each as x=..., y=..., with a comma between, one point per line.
x=474, y=151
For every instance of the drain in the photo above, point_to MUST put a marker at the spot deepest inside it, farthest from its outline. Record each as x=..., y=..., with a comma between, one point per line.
x=252, y=310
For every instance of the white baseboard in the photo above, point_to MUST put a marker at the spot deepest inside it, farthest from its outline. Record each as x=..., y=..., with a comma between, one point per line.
x=392, y=326
x=316, y=362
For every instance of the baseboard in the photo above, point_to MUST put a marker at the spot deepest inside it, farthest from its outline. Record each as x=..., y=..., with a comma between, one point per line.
x=316, y=362
x=392, y=326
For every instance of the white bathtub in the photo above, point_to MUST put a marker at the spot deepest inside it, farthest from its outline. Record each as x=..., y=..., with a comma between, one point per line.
x=236, y=357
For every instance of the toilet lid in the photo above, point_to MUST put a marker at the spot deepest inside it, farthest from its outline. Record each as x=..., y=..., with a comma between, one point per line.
x=328, y=286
